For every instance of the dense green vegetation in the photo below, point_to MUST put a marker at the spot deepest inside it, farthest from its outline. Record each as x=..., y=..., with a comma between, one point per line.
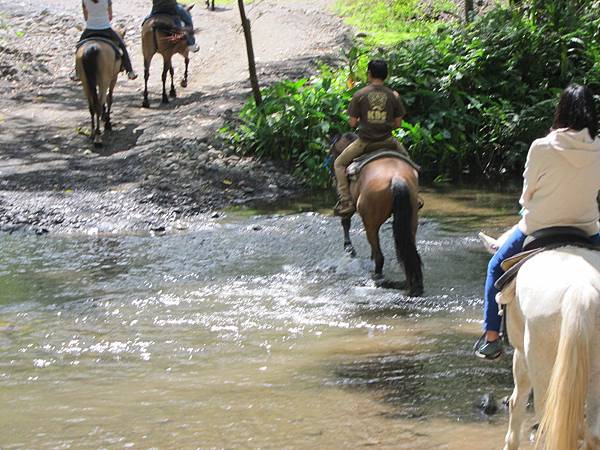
x=477, y=94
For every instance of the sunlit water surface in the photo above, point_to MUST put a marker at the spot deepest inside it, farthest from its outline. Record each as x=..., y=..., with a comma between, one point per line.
x=251, y=332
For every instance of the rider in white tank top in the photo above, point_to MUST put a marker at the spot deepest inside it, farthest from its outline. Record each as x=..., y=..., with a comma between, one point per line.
x=97, y=14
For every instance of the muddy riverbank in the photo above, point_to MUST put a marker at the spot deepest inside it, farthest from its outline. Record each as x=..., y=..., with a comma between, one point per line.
x=159, y=166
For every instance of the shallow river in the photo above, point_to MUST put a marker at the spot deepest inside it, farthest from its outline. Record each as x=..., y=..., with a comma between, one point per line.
x=251, y=331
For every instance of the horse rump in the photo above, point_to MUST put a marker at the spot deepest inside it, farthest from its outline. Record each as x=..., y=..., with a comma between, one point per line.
x=404, y=238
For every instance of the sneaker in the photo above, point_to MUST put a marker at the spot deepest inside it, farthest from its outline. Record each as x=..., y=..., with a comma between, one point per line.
x=344, y=208
x=193, y=48
x=488, y=349
x=131, y=75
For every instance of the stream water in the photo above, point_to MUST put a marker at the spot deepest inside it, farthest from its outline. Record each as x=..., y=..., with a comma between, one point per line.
x=251, y=331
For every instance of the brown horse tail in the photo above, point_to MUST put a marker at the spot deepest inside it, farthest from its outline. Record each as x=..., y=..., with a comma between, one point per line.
x=90, y=67
x=404, y=239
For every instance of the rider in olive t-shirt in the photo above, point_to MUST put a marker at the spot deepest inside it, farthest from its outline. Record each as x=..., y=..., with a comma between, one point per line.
x=377, y=110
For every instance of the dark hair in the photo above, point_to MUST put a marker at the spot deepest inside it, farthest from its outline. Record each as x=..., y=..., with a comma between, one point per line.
x=378, y=69
x=576, y=110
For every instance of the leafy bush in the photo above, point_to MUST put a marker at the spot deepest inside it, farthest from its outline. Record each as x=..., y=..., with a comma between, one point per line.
x=476, y=94
x=294, y=123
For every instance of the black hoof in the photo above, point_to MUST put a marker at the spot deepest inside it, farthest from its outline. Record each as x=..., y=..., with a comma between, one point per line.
x=146, y=103
x=107, y=126
x=173, y=94
x=183, y=83
x=378, y=276
x=416, y=291
x=165, y=99
x=349, y=249
x=98, y=144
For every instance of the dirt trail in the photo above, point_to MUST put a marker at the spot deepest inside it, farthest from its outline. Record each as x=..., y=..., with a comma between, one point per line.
x=159, y=167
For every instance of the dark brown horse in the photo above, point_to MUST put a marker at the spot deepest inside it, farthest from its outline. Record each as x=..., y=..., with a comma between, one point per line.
x=384, y=187
x=160, y=34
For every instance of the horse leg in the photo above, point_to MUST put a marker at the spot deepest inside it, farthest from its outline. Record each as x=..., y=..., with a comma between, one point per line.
x=97, y=132
x=348, y=247
x=376, y=255
x=518, y=401
x=146, y=103
x=184, y=82
x=109, y=100
x=172, y=93
x=165, y=71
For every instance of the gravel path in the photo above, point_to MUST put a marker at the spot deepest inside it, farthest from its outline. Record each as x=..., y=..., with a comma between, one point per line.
x=162, y=167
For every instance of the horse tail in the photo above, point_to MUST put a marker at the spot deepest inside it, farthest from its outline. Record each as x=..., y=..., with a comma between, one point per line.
x=90, y=59
x=564, y=411
x=404, y=239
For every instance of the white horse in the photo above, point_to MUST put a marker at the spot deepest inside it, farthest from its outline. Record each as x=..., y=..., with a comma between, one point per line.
x=553, y=319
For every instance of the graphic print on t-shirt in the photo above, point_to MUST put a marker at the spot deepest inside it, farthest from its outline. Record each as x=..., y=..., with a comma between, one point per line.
x=377, y=107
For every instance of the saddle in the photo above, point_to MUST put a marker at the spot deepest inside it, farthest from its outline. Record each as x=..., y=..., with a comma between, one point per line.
x=114, y=46
x=540, y=241
x=358, y=164
x=168, y=24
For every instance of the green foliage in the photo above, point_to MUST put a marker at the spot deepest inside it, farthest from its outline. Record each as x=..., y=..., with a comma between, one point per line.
x=388, y=22
x=294, y=123
x=477, y=95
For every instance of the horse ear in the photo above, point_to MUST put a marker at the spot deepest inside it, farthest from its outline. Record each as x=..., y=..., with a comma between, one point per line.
x=189, y=8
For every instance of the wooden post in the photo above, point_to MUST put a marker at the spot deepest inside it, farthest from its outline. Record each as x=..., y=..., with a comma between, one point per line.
x=250, y=51
x=468, y=10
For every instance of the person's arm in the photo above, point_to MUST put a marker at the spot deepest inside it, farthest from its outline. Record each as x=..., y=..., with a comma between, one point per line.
x=110, y=11
x=532, y=173
x=354, y=111
x=399, y=111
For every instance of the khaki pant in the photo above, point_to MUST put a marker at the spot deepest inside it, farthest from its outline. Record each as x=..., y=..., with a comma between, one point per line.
x=357, y=148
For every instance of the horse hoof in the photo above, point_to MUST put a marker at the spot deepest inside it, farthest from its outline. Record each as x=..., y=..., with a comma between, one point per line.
x=98, y=144
x=416, y=291
x=349, y=249
x=183, y=83
x=173, y=94
x=146, y=104
x=165, y=99
x=107, y=126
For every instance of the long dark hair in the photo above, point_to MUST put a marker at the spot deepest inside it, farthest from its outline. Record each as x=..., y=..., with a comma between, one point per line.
x=576, y=110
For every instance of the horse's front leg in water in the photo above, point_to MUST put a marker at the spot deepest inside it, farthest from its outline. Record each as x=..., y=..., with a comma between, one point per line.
x=348, y=247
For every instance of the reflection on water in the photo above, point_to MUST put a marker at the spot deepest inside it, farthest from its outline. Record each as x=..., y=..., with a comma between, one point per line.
x=251, y=332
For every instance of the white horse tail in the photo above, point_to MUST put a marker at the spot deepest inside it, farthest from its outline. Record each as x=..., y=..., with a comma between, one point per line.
x=563, y=417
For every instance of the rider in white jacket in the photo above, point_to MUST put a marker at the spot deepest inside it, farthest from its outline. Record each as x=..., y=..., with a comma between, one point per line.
x=560, y=188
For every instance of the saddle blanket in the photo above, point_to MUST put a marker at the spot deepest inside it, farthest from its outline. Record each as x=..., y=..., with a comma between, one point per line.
x=357, y=165
x=114, y=46
x=541, y=241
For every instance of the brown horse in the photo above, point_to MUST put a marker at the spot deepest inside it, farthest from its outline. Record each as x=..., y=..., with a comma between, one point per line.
x=384, y=187
x=160, y=34
x=98, y=65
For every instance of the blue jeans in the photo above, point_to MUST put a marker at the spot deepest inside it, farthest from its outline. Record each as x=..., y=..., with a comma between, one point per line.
x=186, y=18
x=511, y=247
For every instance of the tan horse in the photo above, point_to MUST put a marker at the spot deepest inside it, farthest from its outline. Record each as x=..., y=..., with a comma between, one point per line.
x=387, y=186
x=160, y=34
x=98, y=65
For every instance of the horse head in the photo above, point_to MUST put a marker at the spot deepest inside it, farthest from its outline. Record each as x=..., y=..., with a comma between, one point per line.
x=339, y=142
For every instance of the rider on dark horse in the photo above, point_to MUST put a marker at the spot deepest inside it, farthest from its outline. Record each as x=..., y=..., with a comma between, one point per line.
x=98, y=15
x=180, y=14
x=377, y=110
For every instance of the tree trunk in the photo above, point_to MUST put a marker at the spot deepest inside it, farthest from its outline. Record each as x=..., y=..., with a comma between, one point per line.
x=250, y=51
x=468, y=10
